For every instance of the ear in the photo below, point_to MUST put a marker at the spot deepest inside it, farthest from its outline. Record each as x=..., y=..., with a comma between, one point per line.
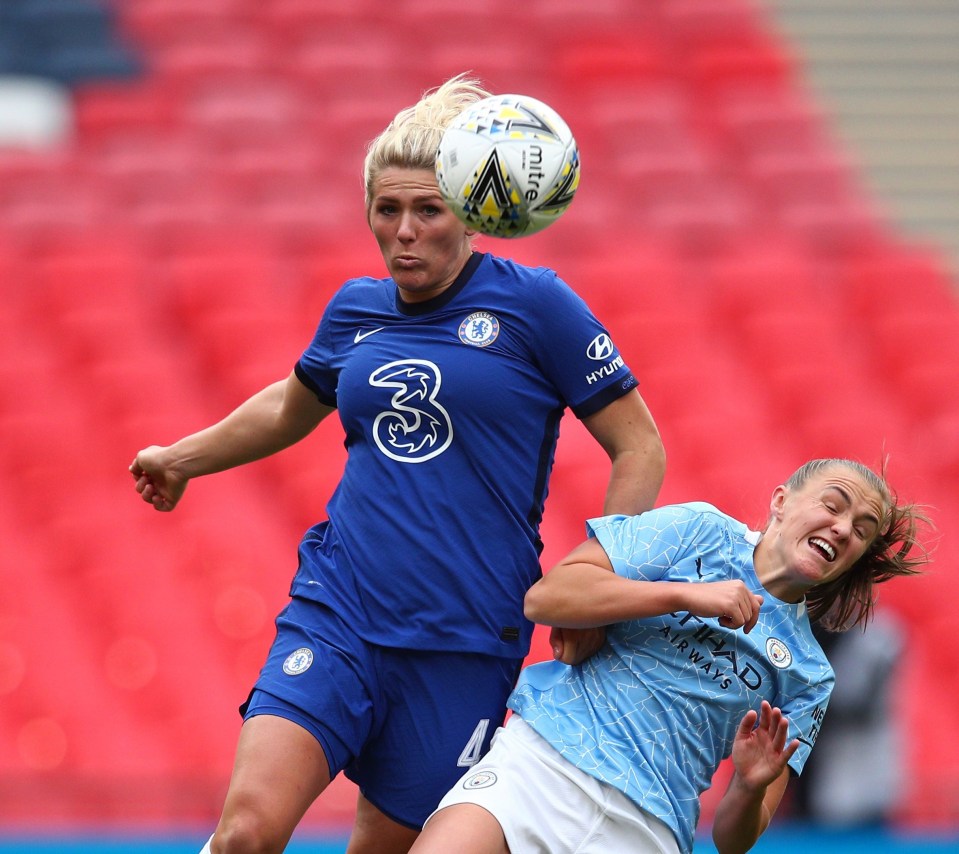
x=778, y=502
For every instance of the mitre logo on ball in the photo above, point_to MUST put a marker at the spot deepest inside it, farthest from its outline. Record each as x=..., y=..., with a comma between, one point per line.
x=508, y=166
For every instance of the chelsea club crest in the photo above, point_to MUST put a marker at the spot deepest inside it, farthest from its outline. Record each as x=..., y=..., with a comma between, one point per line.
x=298, y=662
x=479, y=329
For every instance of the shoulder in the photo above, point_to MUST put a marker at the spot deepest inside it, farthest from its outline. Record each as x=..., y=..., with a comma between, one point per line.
x=688, y=512
x=357, y=298
x=361, y=289
x=538, y=280
x=686, y=522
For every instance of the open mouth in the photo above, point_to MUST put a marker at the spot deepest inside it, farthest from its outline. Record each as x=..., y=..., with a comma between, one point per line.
x=824, y=548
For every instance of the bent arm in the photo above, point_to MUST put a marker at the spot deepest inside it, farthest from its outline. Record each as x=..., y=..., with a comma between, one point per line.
x=760, y=758
x=626, y=431
x=583, y=591
x=272, y=419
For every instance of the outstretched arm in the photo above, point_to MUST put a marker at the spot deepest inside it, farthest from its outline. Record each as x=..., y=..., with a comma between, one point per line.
x=760, y=759
x=274, y=418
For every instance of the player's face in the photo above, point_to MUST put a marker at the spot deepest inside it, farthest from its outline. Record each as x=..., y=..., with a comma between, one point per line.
x=423, y=243
x=822, y=528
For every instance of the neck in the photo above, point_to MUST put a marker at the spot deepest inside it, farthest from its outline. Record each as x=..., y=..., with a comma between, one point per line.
x=772, y=574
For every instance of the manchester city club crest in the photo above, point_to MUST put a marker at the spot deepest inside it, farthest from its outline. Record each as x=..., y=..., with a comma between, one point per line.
x=778, y=653
x=480, y=780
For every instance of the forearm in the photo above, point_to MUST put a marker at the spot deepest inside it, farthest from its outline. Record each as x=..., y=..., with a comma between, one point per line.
x=582, y=595
x=740, y=819
x=257, y=428
x=626, y=431
x=635, y=479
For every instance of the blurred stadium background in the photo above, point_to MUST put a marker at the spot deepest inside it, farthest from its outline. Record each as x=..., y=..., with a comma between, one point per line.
x=768, y=220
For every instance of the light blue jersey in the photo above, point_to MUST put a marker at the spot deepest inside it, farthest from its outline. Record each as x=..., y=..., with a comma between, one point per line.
x=657, y=708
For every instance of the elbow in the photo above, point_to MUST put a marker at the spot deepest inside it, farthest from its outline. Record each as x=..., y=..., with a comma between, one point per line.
x=657, y=458
x=534, y=604
x=726, y=846
x=546, y=604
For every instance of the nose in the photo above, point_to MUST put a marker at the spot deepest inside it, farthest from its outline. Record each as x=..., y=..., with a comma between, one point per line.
x=405, y=230
x=842, y=526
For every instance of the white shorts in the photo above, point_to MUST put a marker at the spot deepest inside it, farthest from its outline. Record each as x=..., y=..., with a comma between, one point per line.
x=545, y=804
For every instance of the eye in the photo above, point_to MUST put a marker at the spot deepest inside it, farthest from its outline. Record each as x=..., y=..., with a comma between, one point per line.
x=385, y=208
x=431, y=210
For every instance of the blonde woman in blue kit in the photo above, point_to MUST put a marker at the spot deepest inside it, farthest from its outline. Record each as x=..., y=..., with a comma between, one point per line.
x=405, y=632
x=709, y=653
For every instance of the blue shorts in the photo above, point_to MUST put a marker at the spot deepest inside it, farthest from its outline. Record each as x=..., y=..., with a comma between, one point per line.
x=402, y=724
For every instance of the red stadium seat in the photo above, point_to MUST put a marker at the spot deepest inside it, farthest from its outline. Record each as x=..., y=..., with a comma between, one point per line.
x=226, y=106
x=760, y=122
x=699, y=21
x=718, y=67
x=287, y=21
x=917, y=353
x=837, y=228
x=108, y=108
x=764, y=271
x=893, y=278
x=222, y=50
x=588, y=67
x=156, y=23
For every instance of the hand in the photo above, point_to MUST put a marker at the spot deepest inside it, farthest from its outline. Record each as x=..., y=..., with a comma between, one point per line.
x=156, y=482
x=731, y=601
x=574, y=646
x=760, y=753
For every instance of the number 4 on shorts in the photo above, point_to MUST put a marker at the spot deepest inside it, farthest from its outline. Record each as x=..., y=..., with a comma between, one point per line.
x=473, y=751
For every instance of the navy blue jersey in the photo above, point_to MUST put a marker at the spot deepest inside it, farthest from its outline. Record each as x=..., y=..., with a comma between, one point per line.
x=451, y=409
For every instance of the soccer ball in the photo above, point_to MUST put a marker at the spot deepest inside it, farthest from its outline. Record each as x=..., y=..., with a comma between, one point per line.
x=508, y=166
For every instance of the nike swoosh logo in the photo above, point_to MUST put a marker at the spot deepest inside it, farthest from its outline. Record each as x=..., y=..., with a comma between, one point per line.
x=361, y=334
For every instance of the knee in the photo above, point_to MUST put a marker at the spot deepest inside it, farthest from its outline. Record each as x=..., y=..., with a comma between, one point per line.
x=247, y=832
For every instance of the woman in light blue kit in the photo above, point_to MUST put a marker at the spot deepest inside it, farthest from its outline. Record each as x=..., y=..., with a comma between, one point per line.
x=709, y=653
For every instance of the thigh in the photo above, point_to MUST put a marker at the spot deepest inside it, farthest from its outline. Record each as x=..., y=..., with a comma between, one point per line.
x=279, y=770
x=321, y=676
x=376, y=833
x=463, y=828
x=441, y=712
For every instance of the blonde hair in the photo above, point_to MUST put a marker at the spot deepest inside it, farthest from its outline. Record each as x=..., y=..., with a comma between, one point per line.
x=412, y=139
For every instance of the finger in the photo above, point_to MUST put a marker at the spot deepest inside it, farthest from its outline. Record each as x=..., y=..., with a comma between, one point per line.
x=790, y=749
x=753, y=616
x=557, y=642
x=781, y=732
x=747, y=723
